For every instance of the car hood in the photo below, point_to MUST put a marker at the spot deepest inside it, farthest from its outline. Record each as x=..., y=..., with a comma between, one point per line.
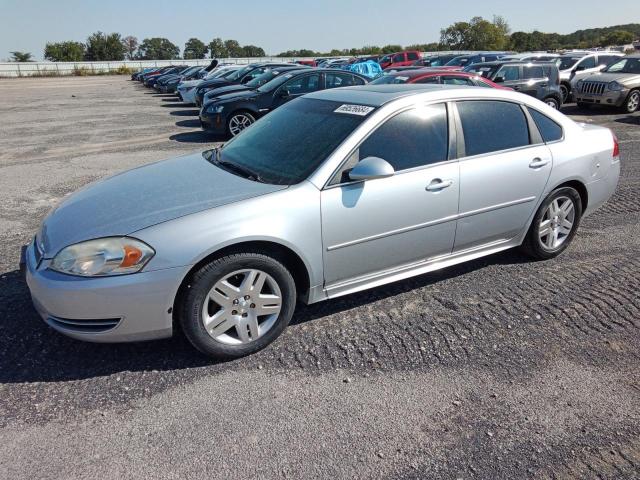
x=214, y=83
x=611, y=77
x=235, y=96
x=225, y=90
x=145, y=196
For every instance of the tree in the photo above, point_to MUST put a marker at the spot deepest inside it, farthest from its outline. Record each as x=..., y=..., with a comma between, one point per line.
x=477, y=34
x=158, y=48
x=103, y=47
x=391, y=48
x=233, y=48
x=130, y=44
x=252, y=51
x=195, y=48
x=64, y=51
x=617, y=37
x=21, y=56
x=217, y=48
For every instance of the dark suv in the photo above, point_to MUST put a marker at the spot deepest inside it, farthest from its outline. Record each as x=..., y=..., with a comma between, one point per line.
x=539, y=79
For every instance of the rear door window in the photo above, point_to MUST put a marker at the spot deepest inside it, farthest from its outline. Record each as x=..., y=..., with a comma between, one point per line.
x=492, y=126
x=453, y=80
x=335, y=80
x=432, y=80
x=589, y=62
x=509, y=73
x=412, y=56
x=532, y=72
x=398, y=58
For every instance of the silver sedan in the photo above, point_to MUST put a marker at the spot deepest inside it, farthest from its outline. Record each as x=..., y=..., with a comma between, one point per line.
x=335, y=192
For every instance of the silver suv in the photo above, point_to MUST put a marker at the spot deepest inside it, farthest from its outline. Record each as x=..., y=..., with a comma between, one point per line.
x=617, y=85
x=576, y=65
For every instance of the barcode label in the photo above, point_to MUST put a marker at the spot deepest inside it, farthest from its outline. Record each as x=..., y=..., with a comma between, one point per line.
x=361, y=110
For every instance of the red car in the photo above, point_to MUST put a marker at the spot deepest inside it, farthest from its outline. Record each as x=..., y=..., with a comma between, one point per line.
x=400, y=59
x=436, y=76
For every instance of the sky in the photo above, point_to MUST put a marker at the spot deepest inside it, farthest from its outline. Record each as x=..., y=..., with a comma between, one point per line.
x=279, y=25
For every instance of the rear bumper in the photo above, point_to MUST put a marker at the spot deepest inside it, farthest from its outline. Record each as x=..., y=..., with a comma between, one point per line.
x=109, y=309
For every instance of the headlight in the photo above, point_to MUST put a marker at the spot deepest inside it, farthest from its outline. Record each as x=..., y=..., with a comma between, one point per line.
x=615, y=86
x=215, y=108
x=103, y=256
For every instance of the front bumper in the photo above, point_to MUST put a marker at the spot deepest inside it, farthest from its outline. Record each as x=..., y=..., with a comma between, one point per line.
x=213, y=122
x=122, y=308
x=611, y=98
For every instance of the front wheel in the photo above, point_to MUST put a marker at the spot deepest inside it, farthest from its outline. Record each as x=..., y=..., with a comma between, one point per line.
x=237, y=305
x=554, y=225
x=632, y=104
x=565, y=92
x=239, y=121
x=552, y=102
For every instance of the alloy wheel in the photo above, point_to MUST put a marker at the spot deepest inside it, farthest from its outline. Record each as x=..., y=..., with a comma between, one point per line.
x=557, y=223
x=552, y=104
x=634, y=102
x=242, y=307
x=238, y=123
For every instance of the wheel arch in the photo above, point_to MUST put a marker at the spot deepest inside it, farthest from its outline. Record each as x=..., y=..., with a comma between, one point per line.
x=580, y=187
x=284, y=254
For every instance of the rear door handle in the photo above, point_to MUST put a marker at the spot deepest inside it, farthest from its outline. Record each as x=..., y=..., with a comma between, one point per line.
x=538, y=163
x=436, y=185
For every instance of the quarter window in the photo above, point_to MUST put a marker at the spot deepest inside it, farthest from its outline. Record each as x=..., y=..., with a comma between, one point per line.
x=410, y=139
x=492, y=126
x=549, y=129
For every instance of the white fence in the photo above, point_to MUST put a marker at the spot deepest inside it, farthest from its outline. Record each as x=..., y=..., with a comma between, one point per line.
x=28, y=69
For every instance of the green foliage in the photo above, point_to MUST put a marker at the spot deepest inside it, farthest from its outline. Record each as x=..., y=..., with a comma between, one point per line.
x=195, y=48
x=391, y=49
x=130, y=44
x=103, y=47
x=593, y=37
x=233, y=48
x=157, y=48
x=477, y=34
x=217, y=48
x=252, y=51
x=64, y=51
x=617, y=37
x=424, y=47
x=21, y=56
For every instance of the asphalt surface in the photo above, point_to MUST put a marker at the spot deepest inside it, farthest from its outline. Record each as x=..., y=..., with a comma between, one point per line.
x=498, y=368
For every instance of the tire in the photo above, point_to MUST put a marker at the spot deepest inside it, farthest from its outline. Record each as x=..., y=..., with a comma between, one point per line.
x=632, y=103
x=202, y=303
x=238, y=121
x=544, y=247
x=552, y=102
x=565, y=91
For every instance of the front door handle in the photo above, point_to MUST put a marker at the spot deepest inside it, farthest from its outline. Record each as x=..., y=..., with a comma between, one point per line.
x=437, y=184
x=538, y=163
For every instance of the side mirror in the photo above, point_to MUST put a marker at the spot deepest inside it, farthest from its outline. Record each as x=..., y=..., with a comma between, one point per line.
x=283, y=93
x=371, y=168
x=498, y=80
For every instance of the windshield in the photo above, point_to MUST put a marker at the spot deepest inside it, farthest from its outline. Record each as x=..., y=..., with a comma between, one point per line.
x=457, y=62
x=385, y=59
x=275, y=82
x=389, y=79
x=626, y=65
x=565, y=63
x=262, y=79
x=276, y=153
x=487, y=71
x=240, y=73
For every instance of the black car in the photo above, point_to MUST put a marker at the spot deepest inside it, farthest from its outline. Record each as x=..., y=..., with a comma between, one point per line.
x=168, y=83
x=538, y=79
x=156, y=71
x=239, y=77
x=257, y=82
x=232, y=113
x=151, y=80
x=435, y=60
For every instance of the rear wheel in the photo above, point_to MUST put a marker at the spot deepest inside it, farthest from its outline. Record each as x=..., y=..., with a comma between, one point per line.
x=554, y=225
x=552, y=102
x=237, y=305
x=239, y=121
x=632, y=103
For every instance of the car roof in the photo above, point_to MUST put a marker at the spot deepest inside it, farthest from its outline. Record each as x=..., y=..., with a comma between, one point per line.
x=376, y=95
x=421, y=72
x=514, y=62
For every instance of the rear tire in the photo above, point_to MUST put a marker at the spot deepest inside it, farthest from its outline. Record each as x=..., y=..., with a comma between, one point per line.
x=565, y=91
x=237, y=305
x=554, y=224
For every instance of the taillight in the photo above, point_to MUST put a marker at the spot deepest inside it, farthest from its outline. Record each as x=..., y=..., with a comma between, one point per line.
x=616, y=146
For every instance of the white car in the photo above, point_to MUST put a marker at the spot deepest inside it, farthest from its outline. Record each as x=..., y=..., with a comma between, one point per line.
x=187, y=90
x=576, y=65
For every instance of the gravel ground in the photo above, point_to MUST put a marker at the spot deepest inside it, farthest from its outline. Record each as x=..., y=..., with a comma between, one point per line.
x=498, y=368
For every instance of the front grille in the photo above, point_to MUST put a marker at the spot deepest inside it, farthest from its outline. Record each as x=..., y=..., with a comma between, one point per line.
x=84, y=326
x=593, y=88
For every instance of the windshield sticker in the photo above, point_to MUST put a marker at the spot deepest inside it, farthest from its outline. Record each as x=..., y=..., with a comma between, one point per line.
x=361, y=110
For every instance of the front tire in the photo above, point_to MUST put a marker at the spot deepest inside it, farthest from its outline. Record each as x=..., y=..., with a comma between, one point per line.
x=554, y=225
x=565, y=91
x=552, y=102
x=632, y=103
x=237, y=305
x=238, y=122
